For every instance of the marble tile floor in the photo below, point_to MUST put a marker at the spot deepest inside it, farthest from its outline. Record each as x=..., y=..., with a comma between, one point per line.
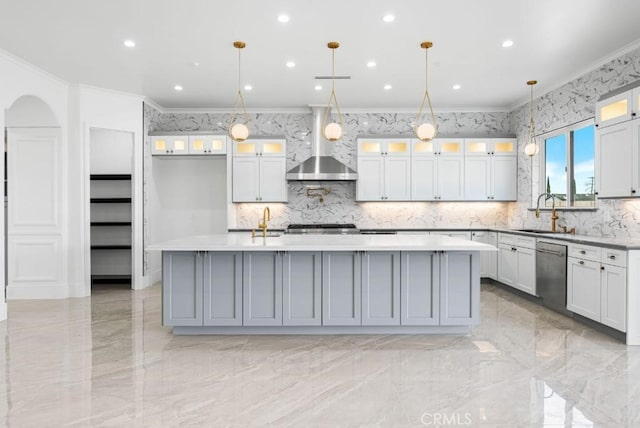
x=106, y=361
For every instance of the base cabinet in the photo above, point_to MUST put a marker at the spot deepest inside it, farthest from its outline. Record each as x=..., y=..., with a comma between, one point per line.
x=222, y=288
x=459, y=288
x=341, y=288
x=517, y=262
x=380, y=288
x=488, y=259
x=420, y=288
x=598, y=290
x=313, y=288
x=302, y=288
x=182, y=288
x=262, y=288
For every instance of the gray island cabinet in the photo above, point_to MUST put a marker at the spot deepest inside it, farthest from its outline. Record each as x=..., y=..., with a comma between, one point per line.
x=286, y=285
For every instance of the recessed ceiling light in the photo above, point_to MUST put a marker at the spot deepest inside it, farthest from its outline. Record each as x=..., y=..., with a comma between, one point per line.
x=248, y=87
x=291, y=64
x=507, y=43
x=387, y=87
x=283, y=18
x=178, y=88
x=371, y=64
x=219, y=124
x=456, y=87
x=195, y=64
x=129, y=43
x=388, y=18
x=318, y=87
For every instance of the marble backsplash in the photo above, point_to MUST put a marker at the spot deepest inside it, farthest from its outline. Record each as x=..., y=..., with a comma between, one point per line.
x=571, y=103
x=340, y=205
x=568, y=104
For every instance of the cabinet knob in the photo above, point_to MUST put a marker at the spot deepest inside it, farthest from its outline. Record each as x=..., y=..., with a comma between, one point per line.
x=581, y=262
x=583, y=252
x=612, y=257
x=633, y=191
x=601, y=267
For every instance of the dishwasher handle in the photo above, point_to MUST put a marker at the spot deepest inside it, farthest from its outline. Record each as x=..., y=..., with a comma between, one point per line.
x=555, y=253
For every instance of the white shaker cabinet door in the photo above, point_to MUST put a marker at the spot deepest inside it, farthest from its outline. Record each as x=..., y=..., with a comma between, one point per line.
x=504, y=178
x=273, y=186
x=370, y=186
x=583, y=287
x=246, y=179
x=451, y=178
x=423, y=178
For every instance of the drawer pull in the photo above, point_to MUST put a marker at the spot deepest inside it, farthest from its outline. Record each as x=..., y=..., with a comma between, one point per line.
x=612, y=257
x=583, y=252
x=581, y=262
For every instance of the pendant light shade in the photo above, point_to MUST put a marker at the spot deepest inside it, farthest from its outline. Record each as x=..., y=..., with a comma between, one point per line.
x=426, y=129
x=531, y=148
x=332, y=130
x=239, y=130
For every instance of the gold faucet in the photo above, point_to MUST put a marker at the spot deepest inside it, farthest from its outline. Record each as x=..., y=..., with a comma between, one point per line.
x=554, y=214
x=266, y=216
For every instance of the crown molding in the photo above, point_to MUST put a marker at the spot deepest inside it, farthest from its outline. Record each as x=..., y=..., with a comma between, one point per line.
x=576, y=75
x=27, y=66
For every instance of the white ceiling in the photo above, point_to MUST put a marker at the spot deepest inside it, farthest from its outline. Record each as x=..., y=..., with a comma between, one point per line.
x=81, y=41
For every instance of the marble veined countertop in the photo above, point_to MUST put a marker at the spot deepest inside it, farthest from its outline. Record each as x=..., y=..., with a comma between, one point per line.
x=284, y=242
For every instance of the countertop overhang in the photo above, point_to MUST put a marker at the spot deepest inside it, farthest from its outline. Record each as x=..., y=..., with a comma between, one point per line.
x=284, y=242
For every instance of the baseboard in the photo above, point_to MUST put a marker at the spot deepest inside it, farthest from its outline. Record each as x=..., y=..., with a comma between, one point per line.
x=28, y=292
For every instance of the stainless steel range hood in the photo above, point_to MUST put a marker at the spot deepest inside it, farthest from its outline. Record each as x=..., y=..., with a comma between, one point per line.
x=321, y=166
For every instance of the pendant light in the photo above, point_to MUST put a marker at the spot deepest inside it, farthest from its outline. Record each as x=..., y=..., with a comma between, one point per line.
x=531, y=148
x=239, y=131
x=332, y=131
x=425, y=130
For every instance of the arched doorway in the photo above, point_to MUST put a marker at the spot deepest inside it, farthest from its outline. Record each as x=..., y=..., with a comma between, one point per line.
x=34, y=195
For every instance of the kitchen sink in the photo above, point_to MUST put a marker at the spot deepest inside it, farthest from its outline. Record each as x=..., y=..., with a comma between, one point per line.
x=537, y=231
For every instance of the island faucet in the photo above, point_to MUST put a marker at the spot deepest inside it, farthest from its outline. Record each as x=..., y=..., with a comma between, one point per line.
x=554, y=215
x=266, y=216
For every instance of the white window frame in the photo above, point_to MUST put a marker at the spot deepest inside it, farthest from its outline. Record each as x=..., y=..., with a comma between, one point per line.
x=542, y=182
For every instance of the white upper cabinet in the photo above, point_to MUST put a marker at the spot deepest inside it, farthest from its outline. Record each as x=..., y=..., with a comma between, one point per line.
x=615, y=109
x=636, y=103
x=490, y=169
x=384, y=146
x=259, y=171
x=438, y=147
x=207, y=144
x=267, y=147
x=618, y=160
x=189, y=145
x=384, y=167
x=170, y=145
x=490, y=146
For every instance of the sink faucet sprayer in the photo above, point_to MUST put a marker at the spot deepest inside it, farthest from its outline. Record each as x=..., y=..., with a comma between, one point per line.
x=266, y=216
x=554, y=215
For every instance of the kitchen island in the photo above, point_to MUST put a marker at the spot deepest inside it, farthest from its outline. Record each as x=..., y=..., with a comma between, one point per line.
x=320, y=284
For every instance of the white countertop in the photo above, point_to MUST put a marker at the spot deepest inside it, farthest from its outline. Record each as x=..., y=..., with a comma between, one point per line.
x=284, y=242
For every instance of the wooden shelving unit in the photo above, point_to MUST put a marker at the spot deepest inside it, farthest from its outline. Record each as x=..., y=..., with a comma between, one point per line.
x=111, y=228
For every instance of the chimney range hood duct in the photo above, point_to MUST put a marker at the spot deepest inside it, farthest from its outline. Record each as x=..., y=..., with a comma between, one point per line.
x=321, y=166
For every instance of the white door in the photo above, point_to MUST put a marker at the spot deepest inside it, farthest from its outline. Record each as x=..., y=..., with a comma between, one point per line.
x=34, y=225
x=583, y=288
x=273, y=186
x=526, y=270
x=370, y=186
x=398, y=178
x=613, y=297
x=477, y=178
x=614, y=160
x=451, y=178
x=504, y=178
x=246, y=179
x=423, y=178
x=507, y=264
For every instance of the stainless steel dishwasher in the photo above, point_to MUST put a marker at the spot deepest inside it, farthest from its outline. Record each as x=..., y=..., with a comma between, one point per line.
x=551, y=276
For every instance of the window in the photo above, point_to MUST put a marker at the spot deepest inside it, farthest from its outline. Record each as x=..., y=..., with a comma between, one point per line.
x=568, y=166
